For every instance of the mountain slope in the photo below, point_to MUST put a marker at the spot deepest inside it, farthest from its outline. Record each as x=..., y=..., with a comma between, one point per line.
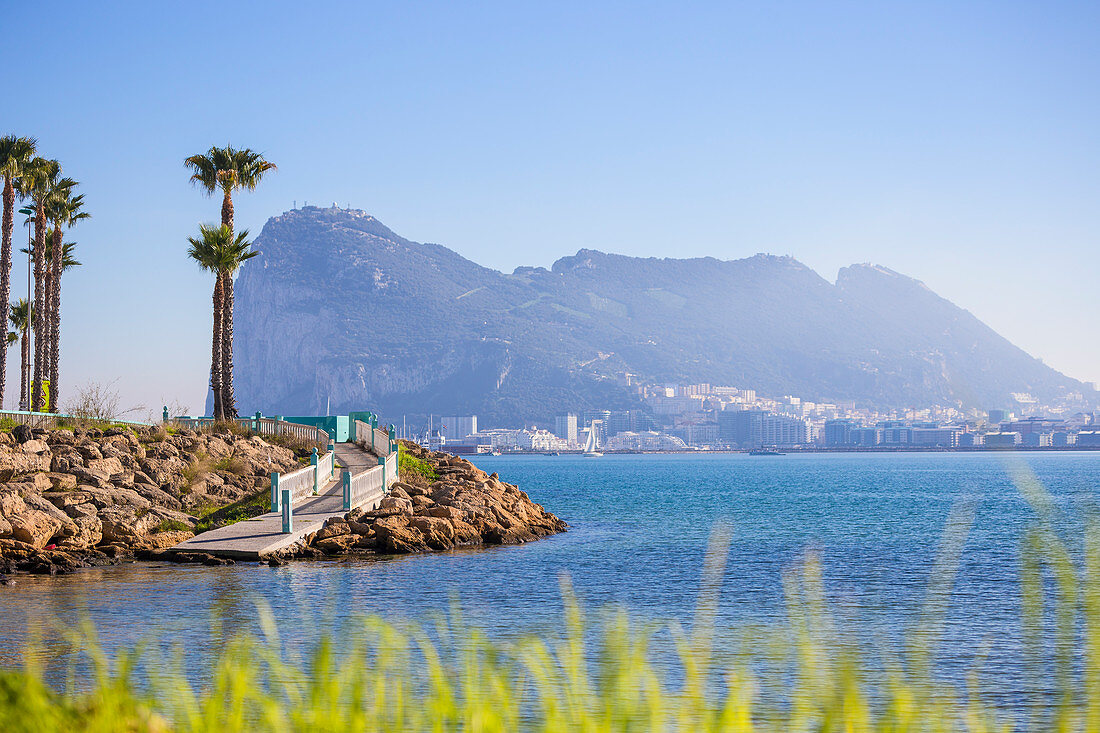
x=340, y=310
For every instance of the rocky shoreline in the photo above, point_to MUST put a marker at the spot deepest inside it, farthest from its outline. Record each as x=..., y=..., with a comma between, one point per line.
x=442, y=502
x=74, y=498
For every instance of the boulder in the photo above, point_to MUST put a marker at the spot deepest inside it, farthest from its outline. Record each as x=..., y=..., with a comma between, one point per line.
x=61, y=481
x=335, y=529
x=438, y=533
x=395, y=535
x=87, y=532
x=163, y=540
x=34, y=528
x=336, y=544
x=107, y=466
x=395, y=504
x=449, y=513
x=21, y=433
x=14, y=462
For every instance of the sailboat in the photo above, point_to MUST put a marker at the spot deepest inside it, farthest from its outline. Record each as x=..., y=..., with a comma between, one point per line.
x=590, y=445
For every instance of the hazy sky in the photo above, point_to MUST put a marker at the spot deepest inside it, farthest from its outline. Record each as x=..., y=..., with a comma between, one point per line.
x=958, y=143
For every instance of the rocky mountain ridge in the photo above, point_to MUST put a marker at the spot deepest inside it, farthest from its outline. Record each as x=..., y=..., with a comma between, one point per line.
x=411, y=328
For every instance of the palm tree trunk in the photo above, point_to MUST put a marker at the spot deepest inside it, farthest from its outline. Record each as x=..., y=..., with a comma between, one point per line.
x=54, y=342
x=227, y=210
x=216, y=352
x=229, y=399
x=39, y=303
x=25, y=366
x=5, y=273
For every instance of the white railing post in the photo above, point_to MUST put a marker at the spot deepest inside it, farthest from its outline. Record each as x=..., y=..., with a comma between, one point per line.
x=316, y=472
x=288, y=513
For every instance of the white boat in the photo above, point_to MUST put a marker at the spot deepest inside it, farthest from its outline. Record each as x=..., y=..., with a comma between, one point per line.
x=590, y=446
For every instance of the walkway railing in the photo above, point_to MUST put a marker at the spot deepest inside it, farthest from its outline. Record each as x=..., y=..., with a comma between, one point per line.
x=368, y=487
x=377, y=440
x=54, y=419
x=289, y=488
x=259, y=425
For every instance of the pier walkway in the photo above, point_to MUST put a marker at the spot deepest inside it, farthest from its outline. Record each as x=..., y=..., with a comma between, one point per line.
x=360, y=480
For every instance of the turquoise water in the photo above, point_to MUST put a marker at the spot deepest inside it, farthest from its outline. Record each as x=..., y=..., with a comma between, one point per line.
x=639, y=531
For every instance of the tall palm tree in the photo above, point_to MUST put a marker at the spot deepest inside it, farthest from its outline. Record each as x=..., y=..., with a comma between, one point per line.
x=228, y=169
x=40, y=180
x=204, y=250
x=20, y=318
x=238, y=250
x=15, y=154
x=218, y=251
x=64, y=209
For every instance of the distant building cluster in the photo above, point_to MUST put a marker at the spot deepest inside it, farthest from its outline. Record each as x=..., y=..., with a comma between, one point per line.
x=712, y=417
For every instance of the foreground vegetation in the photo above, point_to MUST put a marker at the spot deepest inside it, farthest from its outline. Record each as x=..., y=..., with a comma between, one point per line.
x=607, y=672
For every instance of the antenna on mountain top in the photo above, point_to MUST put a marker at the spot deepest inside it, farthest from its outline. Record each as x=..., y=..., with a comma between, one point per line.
x=295, y=204
x=328, y=405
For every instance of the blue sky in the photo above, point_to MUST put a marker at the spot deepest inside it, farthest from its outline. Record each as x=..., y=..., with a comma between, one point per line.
x=958, y=143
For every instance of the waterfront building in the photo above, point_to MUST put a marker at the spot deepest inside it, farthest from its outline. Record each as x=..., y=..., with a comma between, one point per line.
x=589, y=415
x=1062, y=439
x=621, y=421
x=866, y=436
x=1002, y=440
x=456, y=428
x=648, y=440
x=839, y=432
x=701, y=434
x=1037, y=440
x=971, y=440
x=1088, y=438
x=539, y=440
x=756, y=428
x=999, y=416
x=1032, y=425
x=565, y=427
x=947, y=437
x=897, y=435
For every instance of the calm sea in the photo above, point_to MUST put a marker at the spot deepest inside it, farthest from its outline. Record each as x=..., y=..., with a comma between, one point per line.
x=639, y=532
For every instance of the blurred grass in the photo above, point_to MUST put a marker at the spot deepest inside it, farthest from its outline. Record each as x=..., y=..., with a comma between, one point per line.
x=597, y=672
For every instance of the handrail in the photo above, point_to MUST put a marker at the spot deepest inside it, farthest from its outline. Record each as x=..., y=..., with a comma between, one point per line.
x=305, y=481
x=368, y=487
x=259, y=425
x=379, y=441
x=51, y=419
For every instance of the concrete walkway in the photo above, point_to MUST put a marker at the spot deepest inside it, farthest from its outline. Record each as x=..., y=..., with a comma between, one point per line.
x=260, y=536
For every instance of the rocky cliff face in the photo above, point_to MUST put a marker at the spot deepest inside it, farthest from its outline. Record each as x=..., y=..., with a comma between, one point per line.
x=340, y=310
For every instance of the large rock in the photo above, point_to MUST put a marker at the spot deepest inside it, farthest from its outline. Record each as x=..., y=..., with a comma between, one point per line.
x=35, y=528
x=15, y=462
x=395, y=504
x=395, y=535
x=438, y=533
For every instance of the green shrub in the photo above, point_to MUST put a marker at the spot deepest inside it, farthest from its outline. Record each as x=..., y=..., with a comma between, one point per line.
x=171, y=525
x=409, y=464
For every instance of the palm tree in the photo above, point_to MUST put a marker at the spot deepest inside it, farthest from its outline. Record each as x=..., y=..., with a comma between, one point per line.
x=41, y=179
x=204, y=251
x=217, y=250
x=64, y=210
x=228, y=169
x=15, y=154
x=20, y=318
x=233, y=256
